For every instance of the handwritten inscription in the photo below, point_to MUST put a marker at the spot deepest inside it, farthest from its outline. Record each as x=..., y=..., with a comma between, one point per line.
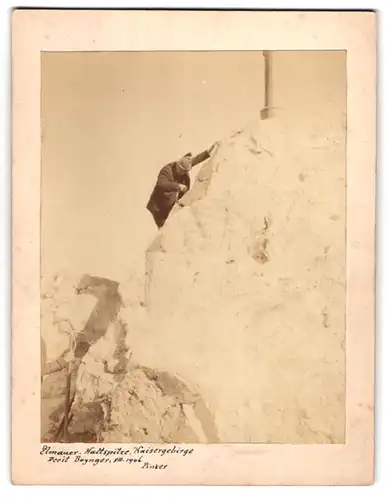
x=145, y=457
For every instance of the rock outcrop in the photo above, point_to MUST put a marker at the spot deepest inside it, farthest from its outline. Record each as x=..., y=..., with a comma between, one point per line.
x=246, y=285
x=113, y=399
x=231, y=327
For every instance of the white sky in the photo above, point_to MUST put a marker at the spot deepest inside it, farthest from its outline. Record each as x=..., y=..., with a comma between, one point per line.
x=111, y=121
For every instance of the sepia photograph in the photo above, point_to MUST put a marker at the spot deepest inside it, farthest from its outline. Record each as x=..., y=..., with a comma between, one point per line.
x=193, y=247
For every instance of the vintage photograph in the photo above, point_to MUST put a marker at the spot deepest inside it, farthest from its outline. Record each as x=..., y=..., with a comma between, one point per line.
x=193, y=246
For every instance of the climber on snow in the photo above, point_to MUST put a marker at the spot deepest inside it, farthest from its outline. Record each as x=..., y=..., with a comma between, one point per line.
x=172, y=183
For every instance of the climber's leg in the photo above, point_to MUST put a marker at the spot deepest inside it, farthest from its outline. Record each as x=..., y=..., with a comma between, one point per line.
x=159, y=219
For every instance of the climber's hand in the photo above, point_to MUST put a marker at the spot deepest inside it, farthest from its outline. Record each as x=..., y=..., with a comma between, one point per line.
x=182, y=188
x=213, y=147
x=180, y=204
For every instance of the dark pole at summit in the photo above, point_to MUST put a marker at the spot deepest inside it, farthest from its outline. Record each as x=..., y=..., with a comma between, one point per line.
x=265, y=112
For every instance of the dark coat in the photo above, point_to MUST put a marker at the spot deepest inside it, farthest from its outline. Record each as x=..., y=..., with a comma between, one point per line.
x=166, y=190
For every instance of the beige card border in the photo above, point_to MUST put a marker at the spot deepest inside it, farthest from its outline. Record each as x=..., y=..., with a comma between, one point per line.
x=34, y=31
